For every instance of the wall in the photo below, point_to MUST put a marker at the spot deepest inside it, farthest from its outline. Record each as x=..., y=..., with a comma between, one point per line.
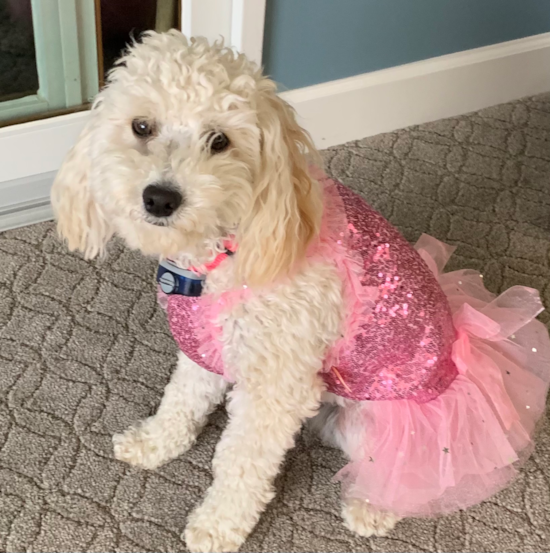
x=312, y=41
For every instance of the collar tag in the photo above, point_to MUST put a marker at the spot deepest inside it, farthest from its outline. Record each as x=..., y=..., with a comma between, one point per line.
x=174, y=280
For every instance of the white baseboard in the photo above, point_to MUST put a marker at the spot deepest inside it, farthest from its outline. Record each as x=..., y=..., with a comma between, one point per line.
x=424, y=91
x=26, y=213
x=25, y=201
x=333, y=112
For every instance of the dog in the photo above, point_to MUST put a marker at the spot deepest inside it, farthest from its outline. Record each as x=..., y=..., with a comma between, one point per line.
x=189, y=149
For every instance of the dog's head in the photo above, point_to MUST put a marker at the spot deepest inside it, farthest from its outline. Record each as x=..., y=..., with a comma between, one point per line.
x=187, y=145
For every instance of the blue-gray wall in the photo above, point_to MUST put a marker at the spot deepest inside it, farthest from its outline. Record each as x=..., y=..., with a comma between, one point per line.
x=312, y=41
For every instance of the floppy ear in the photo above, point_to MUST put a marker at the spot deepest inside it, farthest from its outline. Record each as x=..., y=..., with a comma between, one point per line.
x=287, y=207
x=79, y=218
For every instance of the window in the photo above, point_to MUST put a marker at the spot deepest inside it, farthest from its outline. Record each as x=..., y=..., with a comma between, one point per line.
x=54, y=53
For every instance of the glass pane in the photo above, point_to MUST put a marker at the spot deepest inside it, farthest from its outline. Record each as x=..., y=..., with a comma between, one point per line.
x=122, y=19
x=18, y=72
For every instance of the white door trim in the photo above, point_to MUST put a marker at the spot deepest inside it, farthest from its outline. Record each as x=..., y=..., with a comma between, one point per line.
x=239, y=22
x=38, y=146
x=208, y=18
x=247, y=28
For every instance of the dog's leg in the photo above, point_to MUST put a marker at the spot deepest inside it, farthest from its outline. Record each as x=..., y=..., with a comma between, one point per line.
x=344, y=427
x=265, y=414
x=189, y=398
x=364, y=519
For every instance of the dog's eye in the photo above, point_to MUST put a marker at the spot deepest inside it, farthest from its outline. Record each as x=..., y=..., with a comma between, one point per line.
x=218, y=142
x=142, y=128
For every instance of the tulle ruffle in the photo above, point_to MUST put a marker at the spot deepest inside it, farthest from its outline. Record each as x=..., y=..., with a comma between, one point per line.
x=425, y=459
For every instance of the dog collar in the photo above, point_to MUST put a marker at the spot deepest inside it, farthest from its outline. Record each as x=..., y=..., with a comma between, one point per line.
x=189, y=282
x=173, y=280
x=207, y=267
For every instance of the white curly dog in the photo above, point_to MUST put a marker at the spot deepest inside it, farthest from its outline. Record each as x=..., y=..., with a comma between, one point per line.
x=203, y=128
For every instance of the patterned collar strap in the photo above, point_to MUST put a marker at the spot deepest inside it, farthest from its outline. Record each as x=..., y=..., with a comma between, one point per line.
x=189, y=282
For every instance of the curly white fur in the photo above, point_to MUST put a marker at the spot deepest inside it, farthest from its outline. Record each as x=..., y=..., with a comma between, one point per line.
x=258, y=190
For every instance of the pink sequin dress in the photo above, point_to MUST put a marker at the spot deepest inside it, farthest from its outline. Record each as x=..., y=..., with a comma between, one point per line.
x=450, y=380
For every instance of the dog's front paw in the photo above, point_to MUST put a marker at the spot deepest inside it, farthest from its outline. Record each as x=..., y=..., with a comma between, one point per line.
x=141, y=447
x=208, y=540
x=207, y=531
x=366, y=520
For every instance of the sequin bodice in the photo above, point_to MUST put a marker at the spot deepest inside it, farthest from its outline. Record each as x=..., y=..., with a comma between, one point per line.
x=397, y=347
x=403, y=348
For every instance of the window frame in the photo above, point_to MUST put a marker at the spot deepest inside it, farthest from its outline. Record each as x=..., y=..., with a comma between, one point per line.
x=66, y=58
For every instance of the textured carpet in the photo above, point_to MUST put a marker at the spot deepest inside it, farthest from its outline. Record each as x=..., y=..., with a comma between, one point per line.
x=85, y=351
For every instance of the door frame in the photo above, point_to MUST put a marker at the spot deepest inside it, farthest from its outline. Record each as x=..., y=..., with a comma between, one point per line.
x=240, y=22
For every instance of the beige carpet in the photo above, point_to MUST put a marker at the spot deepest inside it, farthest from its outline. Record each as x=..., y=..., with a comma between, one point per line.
x=85, y=351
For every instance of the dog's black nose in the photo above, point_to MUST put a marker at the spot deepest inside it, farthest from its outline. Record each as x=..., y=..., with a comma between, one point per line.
x=161, y=200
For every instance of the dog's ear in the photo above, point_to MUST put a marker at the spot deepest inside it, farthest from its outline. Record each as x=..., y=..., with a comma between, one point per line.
x=287, y=207
x=80, y=221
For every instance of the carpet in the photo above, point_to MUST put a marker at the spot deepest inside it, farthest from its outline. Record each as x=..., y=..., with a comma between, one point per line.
x=85, y=351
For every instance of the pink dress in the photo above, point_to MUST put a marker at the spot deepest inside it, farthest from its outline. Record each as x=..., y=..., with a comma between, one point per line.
x=449, y=379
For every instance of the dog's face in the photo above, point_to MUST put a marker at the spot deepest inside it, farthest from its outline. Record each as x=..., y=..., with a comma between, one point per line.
x=187, y=145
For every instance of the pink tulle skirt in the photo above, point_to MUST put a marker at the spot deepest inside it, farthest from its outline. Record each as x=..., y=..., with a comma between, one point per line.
x=426, y=459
